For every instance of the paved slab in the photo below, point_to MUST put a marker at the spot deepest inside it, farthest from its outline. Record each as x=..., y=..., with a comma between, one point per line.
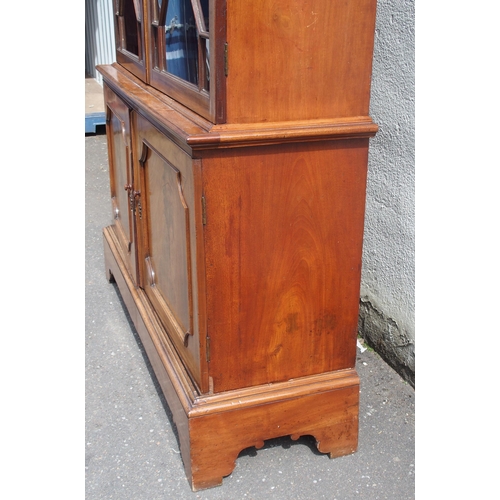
x=94, y=100
x=132, y=450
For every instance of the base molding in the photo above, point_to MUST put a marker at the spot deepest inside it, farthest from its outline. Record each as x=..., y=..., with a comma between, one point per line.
x=214, y=428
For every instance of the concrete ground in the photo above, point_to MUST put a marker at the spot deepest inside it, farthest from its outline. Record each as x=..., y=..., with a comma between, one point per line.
x=131, y=443
x=94, y=101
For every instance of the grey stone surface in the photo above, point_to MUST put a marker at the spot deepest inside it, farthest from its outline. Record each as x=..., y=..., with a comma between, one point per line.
x=132, y=452
x=388, y=273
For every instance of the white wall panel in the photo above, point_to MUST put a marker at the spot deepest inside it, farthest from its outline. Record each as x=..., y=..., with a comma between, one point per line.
x=99, y=36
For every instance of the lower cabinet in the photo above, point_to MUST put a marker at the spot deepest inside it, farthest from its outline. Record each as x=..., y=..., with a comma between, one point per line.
x=239, y=261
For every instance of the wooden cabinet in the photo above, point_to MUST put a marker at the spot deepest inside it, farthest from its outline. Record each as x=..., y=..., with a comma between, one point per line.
x=238, y=145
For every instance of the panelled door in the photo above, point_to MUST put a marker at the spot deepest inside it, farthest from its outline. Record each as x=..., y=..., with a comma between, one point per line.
x=121, y=176
x=166, y=231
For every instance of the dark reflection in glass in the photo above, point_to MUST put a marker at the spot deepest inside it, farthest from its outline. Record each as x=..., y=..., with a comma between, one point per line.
x=186, y=40
x=182, y=40
x=204, y=7
x=131, y=28
x=205, y=76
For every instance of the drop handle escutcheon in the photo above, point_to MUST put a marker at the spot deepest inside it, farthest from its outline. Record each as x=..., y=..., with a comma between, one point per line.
x=128, y=188
x=136, y=195
x=133, y=198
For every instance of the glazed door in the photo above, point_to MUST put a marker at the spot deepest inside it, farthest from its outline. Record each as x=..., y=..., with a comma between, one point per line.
x=166, y=224
x=187, y=49
x=130, y=36
x=121, y=176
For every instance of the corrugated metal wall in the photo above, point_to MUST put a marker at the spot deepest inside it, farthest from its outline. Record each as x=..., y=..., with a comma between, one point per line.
x=99, y=36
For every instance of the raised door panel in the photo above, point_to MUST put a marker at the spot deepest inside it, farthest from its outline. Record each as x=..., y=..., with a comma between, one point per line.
x=121, y=175
x=166, y=225
x=283, y=243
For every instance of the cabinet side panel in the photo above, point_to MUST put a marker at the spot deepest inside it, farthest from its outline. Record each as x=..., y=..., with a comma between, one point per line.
x=299, y=60
x=283, y=244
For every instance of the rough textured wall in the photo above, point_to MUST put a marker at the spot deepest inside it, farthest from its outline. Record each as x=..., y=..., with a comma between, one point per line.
x=387, y=307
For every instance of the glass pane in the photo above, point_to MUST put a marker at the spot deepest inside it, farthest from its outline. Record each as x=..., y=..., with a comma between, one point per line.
x=138, y=10
x=131, y=28
x=205, y=73
x=156, y=11
x=204, y=7
x=181, y=40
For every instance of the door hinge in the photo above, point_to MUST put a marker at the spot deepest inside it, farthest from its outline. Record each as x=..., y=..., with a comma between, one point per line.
x=226, y=63
x=208, y=349
x=203, y=210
